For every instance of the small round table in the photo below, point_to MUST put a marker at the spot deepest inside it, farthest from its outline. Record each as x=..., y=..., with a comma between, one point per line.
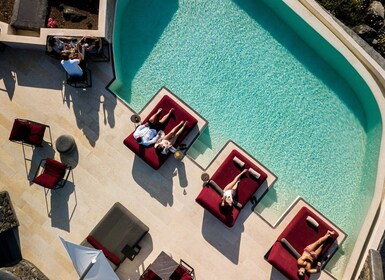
x=205, y=177
x=65, y=144
x=135, y=118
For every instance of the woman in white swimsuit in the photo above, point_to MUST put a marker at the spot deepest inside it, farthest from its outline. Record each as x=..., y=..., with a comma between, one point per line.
x=166, y=142
x=230, y=190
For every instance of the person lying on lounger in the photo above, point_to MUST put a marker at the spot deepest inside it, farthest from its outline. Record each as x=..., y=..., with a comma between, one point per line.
x=229, y=192
x=166, y=142
x=310, y=255
x=148, y=133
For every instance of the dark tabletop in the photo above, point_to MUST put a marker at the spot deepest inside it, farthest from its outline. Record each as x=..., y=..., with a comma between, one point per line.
x=164, y=266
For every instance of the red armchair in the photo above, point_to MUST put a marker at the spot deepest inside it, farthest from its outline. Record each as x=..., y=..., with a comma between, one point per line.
x=28, y=132
x=54, y=174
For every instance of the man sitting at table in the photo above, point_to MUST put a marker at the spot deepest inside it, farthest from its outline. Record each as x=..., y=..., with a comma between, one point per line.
x=73, y=64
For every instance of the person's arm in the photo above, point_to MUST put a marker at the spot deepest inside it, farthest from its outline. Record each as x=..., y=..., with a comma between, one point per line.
x=154, y=139
x=315, y=270
x=80, y=52
x=138, y=131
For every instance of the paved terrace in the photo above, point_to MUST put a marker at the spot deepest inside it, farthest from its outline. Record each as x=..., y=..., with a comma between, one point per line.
x=32, y=87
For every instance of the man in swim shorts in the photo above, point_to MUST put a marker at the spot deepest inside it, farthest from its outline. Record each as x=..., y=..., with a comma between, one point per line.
x=310, y=255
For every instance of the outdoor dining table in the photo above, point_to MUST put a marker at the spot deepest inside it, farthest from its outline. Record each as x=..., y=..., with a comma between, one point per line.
x=164, y=266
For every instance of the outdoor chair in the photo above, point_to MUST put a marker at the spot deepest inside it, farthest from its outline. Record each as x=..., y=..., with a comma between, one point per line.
x=148, y=274
x=103, y=53
x=84, y=81
x=183, y=272
x=29, y=132
x=54, y=174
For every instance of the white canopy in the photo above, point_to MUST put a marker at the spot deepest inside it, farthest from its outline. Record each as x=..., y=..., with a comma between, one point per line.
x=90, y=264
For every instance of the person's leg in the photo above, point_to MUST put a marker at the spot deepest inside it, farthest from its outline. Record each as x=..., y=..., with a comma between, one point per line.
x=234, y=183
x=177, y=134
x=166, y=117
x=155, y=116
x=319, y=242
x=173, y=131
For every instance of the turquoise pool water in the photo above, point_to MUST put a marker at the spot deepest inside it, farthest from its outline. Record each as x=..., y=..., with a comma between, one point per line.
x=287, y=98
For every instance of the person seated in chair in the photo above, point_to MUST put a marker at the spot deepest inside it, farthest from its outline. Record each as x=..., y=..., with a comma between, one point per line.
x=229, y=192
x=73, y=63
x=166, y=142
x=310, y=254
x=148, y=133
x=60, y=44
x=91, y=45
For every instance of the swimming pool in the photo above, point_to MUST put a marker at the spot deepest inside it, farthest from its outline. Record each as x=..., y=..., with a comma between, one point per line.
x=296, y=105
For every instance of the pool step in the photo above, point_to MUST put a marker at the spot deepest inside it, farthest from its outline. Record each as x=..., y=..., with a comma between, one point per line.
x=197, y=149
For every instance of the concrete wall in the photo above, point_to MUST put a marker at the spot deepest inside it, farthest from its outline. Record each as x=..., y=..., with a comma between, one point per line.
x=32, y=39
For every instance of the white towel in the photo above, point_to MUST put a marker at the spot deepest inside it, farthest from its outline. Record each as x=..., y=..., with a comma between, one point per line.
x=254, y=173
x=312, y=221
x=240, y=163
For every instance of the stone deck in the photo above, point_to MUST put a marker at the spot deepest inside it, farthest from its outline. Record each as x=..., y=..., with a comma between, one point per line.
x=105, y=171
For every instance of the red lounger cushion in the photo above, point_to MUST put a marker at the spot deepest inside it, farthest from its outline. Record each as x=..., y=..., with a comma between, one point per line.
x=53, y=173
x=106, y=252
x=300, y=234
x=209, y=199
x=20, y=131
x=37, y=134
x=148, y=154
x=180, y=273
x=27, y=132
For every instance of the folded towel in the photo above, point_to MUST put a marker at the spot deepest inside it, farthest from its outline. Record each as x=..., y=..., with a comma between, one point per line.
x=254, y=173
x=290, y=248
x=311, y=221
x=240, y=163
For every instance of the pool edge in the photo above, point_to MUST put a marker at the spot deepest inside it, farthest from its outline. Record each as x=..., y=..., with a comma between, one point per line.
x=310, y=11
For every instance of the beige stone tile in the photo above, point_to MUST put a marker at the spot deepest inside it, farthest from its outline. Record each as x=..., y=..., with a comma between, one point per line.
x=105, y=172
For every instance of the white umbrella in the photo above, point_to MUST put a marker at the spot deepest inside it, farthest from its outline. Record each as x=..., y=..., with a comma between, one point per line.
x=90, y=264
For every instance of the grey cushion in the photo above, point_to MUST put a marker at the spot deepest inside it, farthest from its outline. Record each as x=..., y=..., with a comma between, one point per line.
x=118, y=228
x=254, y=173
x=29, y=14
x=312, y=221
x=290, y=248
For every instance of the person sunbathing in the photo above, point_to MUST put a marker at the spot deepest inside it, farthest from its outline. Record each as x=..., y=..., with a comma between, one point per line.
x=166, y=142
x=305, y=263
x=148, y=133
x=229, y=192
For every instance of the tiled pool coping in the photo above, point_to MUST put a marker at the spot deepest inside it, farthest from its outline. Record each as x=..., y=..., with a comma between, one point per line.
x=373, y=75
